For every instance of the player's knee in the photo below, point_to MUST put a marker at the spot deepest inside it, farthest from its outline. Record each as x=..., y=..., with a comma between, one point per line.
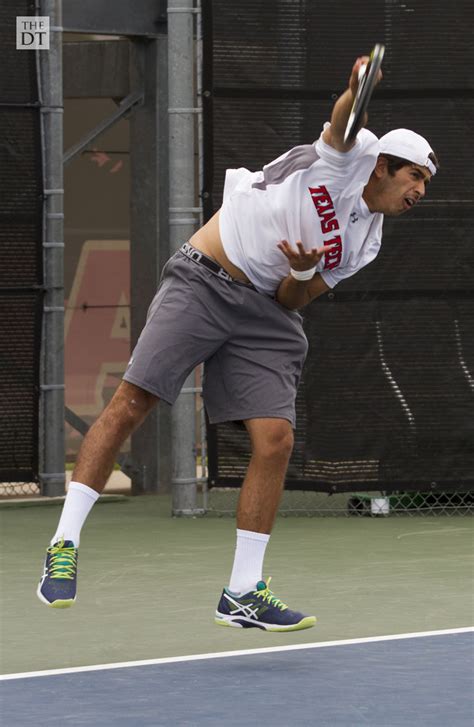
x=276, y=442
x=131, y=404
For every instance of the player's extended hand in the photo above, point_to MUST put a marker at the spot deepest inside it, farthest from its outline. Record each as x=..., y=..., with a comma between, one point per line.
x=354, y=79
x=301, y=259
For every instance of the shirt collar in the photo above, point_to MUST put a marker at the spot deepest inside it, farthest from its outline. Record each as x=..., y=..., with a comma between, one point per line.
x=361, y=208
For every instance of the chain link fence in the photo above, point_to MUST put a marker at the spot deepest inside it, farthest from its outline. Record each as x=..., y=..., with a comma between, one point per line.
x=19, y=490
x=223, y=502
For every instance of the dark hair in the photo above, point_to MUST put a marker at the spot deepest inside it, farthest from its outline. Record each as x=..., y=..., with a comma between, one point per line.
x=395, y=163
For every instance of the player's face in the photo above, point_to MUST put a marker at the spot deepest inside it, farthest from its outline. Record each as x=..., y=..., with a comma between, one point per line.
x=403, y=190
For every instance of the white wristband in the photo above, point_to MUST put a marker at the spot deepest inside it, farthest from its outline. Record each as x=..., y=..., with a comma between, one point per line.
x=302, y=274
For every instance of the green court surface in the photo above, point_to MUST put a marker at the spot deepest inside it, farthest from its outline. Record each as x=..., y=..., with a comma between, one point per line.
x=149, y=583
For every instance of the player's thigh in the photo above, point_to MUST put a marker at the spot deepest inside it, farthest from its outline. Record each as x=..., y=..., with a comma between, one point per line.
x=183, y=329
x=256, y=373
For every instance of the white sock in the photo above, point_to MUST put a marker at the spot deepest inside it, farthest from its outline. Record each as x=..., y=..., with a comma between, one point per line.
x=77, y=506
x=248, y=561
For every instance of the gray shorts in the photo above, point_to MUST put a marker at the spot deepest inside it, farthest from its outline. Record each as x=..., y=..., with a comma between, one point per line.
x=253, y=348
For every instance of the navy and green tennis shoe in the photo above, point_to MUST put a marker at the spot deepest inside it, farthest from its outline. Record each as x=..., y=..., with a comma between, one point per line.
x=260, y=609
x=57, y=587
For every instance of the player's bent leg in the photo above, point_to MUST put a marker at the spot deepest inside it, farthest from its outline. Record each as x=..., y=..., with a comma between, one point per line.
x=125, y=412
x=127, y=409
x=257, y=606
x=272, y=444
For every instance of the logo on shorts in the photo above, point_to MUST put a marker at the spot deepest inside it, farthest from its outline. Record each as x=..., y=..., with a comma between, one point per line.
x=191, y=252
x=221, y=273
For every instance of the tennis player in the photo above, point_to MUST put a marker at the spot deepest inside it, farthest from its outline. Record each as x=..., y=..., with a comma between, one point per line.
x=230, y=297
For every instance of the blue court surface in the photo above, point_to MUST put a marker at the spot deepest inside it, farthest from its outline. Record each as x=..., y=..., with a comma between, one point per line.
x=409, y=679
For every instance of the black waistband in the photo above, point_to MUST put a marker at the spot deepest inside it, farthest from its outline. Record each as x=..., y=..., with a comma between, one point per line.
x=210, y=264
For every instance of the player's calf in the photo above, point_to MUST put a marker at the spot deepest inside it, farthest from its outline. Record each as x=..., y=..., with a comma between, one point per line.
x=126, y=411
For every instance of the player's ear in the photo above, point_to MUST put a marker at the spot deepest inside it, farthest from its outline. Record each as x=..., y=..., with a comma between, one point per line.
x=381, y=168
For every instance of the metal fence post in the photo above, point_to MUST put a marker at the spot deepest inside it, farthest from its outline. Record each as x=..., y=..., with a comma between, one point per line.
x=181, y=73
x=52, y=449
x=149, y=243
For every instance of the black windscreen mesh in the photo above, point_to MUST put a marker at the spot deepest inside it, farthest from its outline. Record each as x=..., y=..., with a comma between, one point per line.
x=20, y=251
x=19, y=335
x=307, y=44
x=21, y=197
x=387, y=396
x=18, y=74
x=386, y=399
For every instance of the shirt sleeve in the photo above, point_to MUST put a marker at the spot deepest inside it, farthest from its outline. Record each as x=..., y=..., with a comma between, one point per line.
x=358, y=162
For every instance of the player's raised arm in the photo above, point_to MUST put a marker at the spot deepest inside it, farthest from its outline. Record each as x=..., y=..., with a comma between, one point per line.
x=334, y=134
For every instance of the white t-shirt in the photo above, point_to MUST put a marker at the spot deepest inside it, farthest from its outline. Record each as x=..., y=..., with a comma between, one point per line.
x=312, y=193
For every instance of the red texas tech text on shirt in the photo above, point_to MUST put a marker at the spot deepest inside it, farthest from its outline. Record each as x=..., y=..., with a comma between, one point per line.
x=327, y=216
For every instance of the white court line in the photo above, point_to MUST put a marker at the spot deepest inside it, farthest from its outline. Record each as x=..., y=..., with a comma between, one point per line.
x=432, y=532
x=223, y=654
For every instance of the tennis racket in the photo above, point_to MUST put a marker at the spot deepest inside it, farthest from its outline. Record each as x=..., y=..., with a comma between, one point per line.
x=368, y=75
